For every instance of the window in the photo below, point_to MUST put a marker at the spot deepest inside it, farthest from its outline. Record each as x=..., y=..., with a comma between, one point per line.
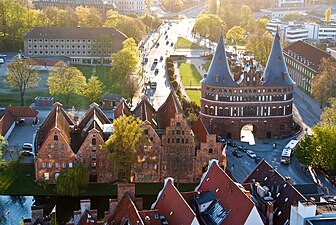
x=55, y=146
x=49, y=146
x=57, y=165
x=62, y=155
x=50, y=165
x=43, y=165
x=94, y=141
x=55, y=138
x=70, y=165
x=62, y=146
x=64, y=165
x=210, y=150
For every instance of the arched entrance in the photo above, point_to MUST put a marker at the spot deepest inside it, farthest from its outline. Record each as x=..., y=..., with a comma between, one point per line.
x=247, y=133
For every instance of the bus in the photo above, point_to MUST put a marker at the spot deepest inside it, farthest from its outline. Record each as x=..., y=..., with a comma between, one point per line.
x=288, y=151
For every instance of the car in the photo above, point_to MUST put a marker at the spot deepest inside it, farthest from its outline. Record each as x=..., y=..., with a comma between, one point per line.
x=21, y=122
x=166, y=37
x=156, y=60
x=145, y=60
x=167, y=42
x=241, y=148
x=27, y=147
x=157, y=44
x=172, y=44
x=2, y=61
x=26, y=153
x=156, y=71
x=236, y=154
x=161, y=58
x=231, y=143
x=152, y=85
x=251, y=154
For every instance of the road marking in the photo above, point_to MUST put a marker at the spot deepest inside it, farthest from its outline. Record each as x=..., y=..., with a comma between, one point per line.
x=247, y=163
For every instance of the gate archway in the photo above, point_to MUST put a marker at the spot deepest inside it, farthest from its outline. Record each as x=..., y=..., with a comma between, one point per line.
x=247, y=133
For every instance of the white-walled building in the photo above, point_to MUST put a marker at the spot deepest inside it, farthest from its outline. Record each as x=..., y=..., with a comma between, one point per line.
x=131, y=6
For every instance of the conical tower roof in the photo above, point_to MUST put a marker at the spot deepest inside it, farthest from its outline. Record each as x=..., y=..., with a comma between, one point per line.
x=219, y=72
x=276, y=73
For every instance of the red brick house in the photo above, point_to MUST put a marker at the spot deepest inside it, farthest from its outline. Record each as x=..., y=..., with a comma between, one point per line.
x=61, y=143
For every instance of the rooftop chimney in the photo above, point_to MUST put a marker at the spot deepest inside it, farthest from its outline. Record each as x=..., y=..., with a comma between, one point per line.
x=288, y=180
x=269, y=212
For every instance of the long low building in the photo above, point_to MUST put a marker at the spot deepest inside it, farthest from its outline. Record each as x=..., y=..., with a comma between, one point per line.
x=81, y=45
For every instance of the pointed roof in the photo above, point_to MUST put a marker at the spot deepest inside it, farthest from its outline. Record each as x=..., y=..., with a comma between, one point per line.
x=172, y=205
x=146, y=112
x=276, y=73
x=219, y=71
x=229, y=195
x=122, y=109
x=266, y=175
x=200, y=130
x=168, y=110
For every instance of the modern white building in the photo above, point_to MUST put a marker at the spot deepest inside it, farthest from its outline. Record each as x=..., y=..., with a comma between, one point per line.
x=290, y=3
x=291, y=32
x=131, y=6
x=279, y=13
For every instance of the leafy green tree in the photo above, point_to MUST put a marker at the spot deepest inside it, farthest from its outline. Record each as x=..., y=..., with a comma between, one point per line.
x=21, y=75
x=329, y=114
x=94, y=89
x=73, y=181
x=14, y=165
x=3, y=143
x=88, y=17
x=324, y=84
x=260, y=44
x=327, y=15
x=257, y=25
x=125, y=62
x=209, y=26
x=292, y=17
x=122, y=145
x=57, y=17
x=66, y=81
x=245, y=15
x=131, y=27
x=236, y=33
x=229, y=14
x=172, y=5
x=130, y=87
x=305, y=150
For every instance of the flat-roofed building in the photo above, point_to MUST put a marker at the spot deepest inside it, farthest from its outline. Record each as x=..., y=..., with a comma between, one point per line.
x=81, y=45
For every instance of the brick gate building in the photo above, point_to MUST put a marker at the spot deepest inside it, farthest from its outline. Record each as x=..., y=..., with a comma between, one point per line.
x=261, y=99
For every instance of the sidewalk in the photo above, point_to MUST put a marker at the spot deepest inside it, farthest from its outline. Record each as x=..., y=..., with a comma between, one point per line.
x=311, y=104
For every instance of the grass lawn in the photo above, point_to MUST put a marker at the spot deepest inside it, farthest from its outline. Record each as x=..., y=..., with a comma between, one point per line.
x=25, y=185
x=190, y=75
x=195, y=95
x=183, y=43
x=206, y=66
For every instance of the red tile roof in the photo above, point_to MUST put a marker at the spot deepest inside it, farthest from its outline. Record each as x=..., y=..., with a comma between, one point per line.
x=126, y=210
x=231, y=198
x=309, y=52
x=172, y=205
x=276, y=182
x=200, y=130
x=146, y=112
x=97, y=113
x=149, y=217
x=6, y=121
x=168, y=110
x=122, y=109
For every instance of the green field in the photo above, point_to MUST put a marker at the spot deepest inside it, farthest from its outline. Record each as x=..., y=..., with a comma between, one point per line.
x=190, y=75
x=206, y=66
x=195, y=95
x=25, y=185
x=183, y=43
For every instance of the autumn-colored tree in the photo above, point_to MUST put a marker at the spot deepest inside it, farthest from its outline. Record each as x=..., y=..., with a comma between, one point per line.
x=88, y=17
x=130, y=87
x=209, y=26
x=73, y=181
x=21, y=75
x=172, y=5
x=65, y=81
x=94, y=89
x=125, y=62
x=258, y=25
x=260, y=44
x=324, y=84
x=122, y=145
x=327, y=15
x=245, y=16
x=329, y=114
x=57, y=17
x=229, y=14
x=3, y=143
x=213, y=6
x=236, y=33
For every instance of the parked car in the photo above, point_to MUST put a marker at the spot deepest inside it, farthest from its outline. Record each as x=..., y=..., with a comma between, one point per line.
x=241, y=148
x=27, y=150
x=156, y=71
x=157, y=44
x=21, y=122
x=156, y=60
x=26, y=153
x=171, y=44
x=257, y=159
x=251, y=154
x=236, y=154
x=231, y=143
x=2, y=61
x=167, y=42
x=161, y=58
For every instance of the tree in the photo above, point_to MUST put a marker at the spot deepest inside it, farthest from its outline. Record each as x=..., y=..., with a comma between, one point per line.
x=65, y=81
x=213, y=6
x=14, y=165
x=122, y=145
x=130, y=87
x=245, y=15
x=236, y=33
x=3, y=143
x=260, y=45
x=209, y=26
x=324, y=84
x=88, y=17
x=57, y=17
x=125, y=62
x=21, y=75
x=329, y=114
x=327, y=15
x=257, y=25
x=292, y=17
x=94, y=89
x=73, y=181
x=228, y=13
x=173, y=5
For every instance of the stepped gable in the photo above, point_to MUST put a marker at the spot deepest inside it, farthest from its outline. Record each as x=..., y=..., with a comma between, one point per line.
x=200, y=130
x=266, y=175
x=122, y=109
x=146, y=112
x=125, y=209
x=219, y=71
x=276, y=73
x=230, y=196
x=57, y=118
x=172, y=205
x=168, y=110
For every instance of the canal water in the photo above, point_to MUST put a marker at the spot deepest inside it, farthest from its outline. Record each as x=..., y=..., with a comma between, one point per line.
x=20, y=206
